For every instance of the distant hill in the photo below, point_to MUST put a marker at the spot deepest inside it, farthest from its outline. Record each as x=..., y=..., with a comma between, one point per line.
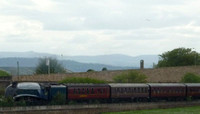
x=83, y=67
x=117, y=60
x=113, y=59
x=27, y=65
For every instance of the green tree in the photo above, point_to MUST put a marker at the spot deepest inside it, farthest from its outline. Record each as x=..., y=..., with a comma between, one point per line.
x=179, y=57
x=190, y=78
x=55, y=66
x=130, y=77
x=104, y=69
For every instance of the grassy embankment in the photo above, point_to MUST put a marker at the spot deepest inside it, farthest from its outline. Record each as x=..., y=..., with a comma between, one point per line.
x=184, y=110
x=82, y=80
x=3, y=73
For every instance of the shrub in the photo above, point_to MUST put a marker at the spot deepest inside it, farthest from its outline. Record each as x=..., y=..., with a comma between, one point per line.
x=82, y=80
x=90, y=70
x=130, y=77
x=6, y=102
x=58, y=99
x=9, y=102
x=190, y=78
x=104, y=69
x=4, y=73
x=2, y=91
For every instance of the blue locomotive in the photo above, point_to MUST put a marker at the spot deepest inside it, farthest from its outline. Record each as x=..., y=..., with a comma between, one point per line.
x=33, y=92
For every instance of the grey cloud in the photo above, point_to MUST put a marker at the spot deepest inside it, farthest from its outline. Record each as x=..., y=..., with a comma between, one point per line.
x=20, y=39
x=118, y=16
x=99, y=27
x=81, y=39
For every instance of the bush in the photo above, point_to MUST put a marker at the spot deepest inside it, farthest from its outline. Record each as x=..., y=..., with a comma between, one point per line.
x=190, y=78
x=4, y=73
x=58, y=99
x=9, y=102
x=90, y=70
x=104, y=69
x=82, y=80
x=130, y=77
x=2, y=91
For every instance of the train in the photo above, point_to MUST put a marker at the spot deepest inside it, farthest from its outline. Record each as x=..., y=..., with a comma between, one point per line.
x=33, y=91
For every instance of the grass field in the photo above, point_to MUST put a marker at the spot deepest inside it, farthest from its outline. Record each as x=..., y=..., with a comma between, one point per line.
x=184, y=110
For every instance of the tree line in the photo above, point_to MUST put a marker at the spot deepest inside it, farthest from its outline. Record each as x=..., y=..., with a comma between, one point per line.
x=179, y=57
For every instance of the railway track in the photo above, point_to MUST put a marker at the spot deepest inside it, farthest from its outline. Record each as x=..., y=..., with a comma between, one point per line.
x=94, y=108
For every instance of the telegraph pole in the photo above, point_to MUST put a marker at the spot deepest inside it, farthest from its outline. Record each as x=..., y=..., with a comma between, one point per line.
x=48, y=64
x=195, y=57
x=17, y=68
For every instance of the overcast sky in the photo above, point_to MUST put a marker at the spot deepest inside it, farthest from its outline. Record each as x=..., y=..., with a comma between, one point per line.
x=98, y=27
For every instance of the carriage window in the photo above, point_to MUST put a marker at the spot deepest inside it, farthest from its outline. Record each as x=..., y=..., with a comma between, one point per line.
x=83, y=91
x=79, y=92
x=74, y=91
x=118, y=90
x=104, y=90
x=92, y=92
x=100, y=91
x=87, y=91
x=138, y=90
x=129, y=89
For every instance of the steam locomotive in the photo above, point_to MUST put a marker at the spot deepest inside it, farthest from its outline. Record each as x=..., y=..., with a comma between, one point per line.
x=109, y=92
